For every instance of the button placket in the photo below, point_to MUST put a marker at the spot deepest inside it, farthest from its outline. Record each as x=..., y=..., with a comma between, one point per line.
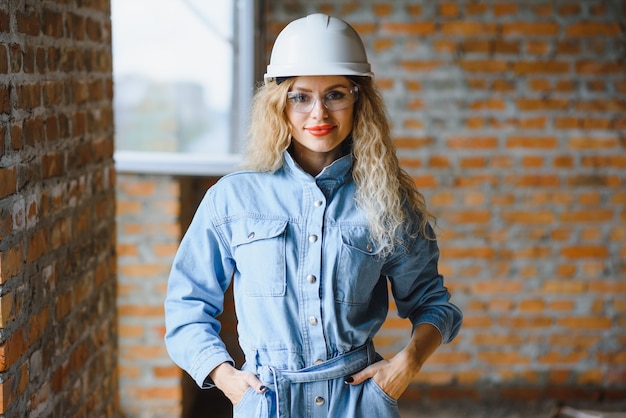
x=313, y=321
x=316, y=342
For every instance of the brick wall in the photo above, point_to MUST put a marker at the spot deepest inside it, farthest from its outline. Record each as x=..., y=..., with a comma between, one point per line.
x=149, y=230
x=58, y=337
x=511, y=117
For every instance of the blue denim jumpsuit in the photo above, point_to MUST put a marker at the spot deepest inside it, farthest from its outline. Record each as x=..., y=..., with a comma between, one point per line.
x=310, y=289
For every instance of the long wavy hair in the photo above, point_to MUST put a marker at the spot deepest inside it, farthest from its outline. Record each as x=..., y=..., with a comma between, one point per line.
x=384, y=191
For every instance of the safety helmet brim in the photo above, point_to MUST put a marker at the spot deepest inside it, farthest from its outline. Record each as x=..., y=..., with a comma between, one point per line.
x=292, y=71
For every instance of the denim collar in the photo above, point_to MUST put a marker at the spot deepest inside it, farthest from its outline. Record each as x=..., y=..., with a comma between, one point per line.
x=329, y=179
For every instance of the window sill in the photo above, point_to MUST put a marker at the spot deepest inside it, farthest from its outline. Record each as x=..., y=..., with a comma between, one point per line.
x=176, y=164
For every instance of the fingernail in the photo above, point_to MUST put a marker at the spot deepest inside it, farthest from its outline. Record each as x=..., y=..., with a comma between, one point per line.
x=349, y=379
x=262, y=388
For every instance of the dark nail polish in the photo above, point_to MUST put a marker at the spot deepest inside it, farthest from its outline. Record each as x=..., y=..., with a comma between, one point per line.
x=262, y=388
x=349, y=379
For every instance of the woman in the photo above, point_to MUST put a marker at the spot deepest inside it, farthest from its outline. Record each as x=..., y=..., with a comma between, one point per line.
x=311, y=236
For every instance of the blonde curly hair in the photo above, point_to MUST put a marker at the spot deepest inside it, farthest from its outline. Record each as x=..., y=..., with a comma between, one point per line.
x=384, y=191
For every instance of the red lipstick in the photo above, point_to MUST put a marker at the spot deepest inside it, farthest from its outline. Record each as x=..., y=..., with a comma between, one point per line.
x=320, y=130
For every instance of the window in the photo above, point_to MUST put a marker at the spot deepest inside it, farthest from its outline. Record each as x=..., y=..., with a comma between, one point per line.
x=184, y=74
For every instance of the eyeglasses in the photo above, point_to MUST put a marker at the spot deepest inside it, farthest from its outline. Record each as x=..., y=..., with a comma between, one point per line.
x=337, y=99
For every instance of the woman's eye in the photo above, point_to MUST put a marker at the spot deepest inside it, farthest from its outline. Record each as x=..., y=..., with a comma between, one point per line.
x=335, y=95
x=299, y=98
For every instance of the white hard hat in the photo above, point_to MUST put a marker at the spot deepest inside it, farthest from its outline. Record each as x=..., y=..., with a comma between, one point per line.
x=318, y=45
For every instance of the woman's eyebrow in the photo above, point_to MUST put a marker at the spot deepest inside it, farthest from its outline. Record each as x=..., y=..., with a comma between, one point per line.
x=337, y=85
x=334, y=86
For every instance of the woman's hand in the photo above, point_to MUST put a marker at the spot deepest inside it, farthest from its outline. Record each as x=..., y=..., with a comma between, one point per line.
x=234, y=382
x=394, y=376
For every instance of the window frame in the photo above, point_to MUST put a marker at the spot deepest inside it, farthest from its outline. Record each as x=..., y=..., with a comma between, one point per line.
x=248, y=60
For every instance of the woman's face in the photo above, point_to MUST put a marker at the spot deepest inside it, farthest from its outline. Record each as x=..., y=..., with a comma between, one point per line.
x=320, y=111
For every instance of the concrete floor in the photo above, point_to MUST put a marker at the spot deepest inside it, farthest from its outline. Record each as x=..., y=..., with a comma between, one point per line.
x=460, y=409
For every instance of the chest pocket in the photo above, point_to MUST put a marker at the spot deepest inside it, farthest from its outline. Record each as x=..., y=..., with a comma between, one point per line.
x=259, y=250
x=359, y=266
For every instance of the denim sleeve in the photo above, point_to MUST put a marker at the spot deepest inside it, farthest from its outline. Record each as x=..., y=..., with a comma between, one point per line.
x=418, y=288
x=201, y=272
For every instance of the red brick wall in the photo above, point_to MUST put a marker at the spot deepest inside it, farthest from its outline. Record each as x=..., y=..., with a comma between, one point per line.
x=511, y=117
x=149, y=230
x=58, y=337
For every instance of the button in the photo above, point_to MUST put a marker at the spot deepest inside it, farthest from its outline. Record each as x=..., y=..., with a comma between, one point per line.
x=319, y=361
x=313, y=320
x=251, y=235
x=318, y=203
x=312, y=238
x=311, y=278
x=369, y=247
x=319, y=401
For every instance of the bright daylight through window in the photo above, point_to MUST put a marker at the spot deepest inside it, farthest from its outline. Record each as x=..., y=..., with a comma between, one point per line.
x=183, y=78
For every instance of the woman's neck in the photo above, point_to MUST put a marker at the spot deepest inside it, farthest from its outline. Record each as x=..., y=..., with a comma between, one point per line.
x=314, y=162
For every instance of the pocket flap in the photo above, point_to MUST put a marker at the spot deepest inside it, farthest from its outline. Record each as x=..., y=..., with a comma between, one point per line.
x=253, y=229
x=359, y=239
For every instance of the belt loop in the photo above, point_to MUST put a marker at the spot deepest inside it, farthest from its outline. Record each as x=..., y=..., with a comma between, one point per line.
x=371, y=353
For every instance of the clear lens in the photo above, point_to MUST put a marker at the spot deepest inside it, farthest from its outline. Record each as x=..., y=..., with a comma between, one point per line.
x=333, y=100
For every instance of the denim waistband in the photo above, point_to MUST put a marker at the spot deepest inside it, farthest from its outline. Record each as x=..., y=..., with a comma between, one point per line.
x=340, y=366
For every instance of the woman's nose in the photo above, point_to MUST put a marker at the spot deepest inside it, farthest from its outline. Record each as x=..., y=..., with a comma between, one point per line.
x=319, y=111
